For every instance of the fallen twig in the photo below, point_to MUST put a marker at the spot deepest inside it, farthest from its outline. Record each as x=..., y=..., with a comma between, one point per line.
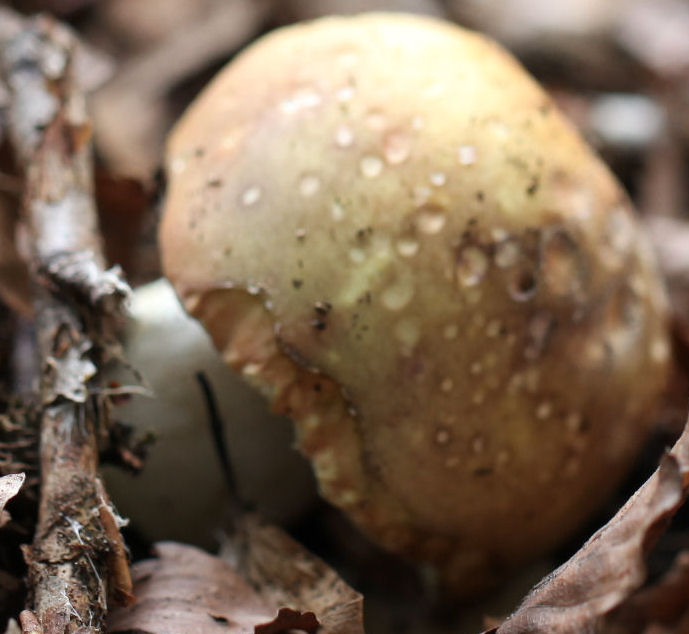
x=29, y=623
x=77, y=303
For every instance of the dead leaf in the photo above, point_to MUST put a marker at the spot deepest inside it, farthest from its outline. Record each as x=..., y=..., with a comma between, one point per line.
x=123, y=206
x=9, y=487
x=186, y=590
x=289, y=575
x=666, y=602
x=288, y=620
x=265, y=583
x=610, y=567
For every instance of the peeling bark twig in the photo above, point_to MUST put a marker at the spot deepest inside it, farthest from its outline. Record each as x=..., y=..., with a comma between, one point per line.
x=77, y=304
x=29, y=623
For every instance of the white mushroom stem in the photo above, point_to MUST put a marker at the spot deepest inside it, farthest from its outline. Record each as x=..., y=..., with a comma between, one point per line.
x=182, y=492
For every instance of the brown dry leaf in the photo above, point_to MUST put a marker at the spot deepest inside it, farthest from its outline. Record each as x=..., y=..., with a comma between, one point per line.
x=287, y=574
x=123, y=204
x=288, y=619
x=610, y=567
x=275, y=587
x=186, y=590
x=9, y=487
x=666, y=602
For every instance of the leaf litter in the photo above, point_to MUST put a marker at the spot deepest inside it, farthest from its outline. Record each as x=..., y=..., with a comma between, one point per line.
x=263, y=583
x=9, y=487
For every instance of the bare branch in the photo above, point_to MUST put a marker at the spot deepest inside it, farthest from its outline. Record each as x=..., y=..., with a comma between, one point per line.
x=77, y=304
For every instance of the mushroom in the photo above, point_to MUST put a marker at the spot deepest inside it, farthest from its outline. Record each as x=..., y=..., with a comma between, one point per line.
x=387, y=227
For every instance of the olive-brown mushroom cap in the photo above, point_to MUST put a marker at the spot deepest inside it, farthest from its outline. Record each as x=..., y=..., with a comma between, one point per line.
x=386, y=225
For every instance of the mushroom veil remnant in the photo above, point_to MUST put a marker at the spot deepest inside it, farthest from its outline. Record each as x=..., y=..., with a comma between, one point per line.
x=388, y=228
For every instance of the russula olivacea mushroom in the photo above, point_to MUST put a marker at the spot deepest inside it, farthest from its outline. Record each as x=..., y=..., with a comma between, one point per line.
x=388, y=228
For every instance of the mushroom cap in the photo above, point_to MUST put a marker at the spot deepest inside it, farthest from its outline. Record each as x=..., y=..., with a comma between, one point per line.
x=388, y=228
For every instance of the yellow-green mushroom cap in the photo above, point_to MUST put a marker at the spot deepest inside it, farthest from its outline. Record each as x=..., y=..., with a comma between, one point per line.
x=386, y=226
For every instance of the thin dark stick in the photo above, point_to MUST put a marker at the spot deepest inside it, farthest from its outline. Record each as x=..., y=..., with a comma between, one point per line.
x=216, y=425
